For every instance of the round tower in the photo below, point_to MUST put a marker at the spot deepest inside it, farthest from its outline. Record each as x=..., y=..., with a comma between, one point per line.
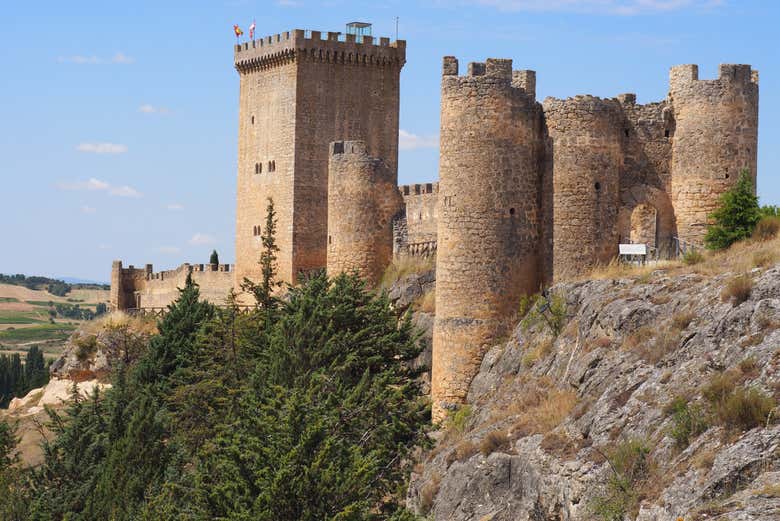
x=584, y=162
x=362, y=200
x=488, y=226
x=716, y=137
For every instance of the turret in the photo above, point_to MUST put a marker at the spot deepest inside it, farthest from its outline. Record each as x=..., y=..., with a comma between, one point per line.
x=488, y=222
x=584, y=160
x=716, y=137
x=362, y=200
x=116, y=295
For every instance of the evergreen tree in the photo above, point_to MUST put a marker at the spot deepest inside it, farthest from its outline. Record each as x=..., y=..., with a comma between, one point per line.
x=214, y=259
x=264, y=292
x=172, y=348
x=736, y=217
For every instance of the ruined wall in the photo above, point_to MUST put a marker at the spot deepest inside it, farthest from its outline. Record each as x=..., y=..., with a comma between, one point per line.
x=584, y=160
x=415, y=232
x=310, y=91
x=362, y=200
x=142, y=288
x=716, y=136
x=488, y=219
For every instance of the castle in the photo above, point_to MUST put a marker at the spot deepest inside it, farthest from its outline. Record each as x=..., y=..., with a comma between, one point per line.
x=529, y=193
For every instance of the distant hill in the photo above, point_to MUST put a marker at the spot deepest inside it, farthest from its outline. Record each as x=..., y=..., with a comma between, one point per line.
x=75, y=280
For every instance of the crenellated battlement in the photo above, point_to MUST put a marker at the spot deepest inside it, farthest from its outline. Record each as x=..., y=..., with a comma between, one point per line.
x=418, y=189
x=493, y=71
x=686, y=77
x=335, y=47
x=148, y=273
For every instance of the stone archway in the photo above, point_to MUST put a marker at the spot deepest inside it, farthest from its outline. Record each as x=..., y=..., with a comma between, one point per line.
x=644, y=225
x=647, y=216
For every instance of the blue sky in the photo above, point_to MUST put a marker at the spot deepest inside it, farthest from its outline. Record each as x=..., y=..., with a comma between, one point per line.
x=118, y=120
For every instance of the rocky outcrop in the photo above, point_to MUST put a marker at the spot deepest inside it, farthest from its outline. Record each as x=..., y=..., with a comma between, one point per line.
x=654, y=402
x=94, y=350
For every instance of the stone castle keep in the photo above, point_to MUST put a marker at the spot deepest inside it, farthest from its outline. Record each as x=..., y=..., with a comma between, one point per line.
x=529, y=193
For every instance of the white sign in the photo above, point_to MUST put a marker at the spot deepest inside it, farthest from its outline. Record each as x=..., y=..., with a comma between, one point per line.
x=633, y=249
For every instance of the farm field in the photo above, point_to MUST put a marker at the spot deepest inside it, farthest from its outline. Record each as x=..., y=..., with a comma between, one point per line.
x=35, y=317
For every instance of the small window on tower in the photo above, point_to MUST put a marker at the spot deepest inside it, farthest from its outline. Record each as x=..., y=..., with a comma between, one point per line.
x=666, y=133
x=258, y=168
x=253, y=120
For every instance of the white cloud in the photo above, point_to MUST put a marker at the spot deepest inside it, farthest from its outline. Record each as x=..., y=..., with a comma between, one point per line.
x=88, y=209
x=104, y=247
x=80, y=59
x=200, y=239
x=96, y=185
x=175, y=207
x=121, y=58
x=618, y=7
x=409, y=141
x=168, y=249
x=151, y=109
x=102, y=148
x=124, y=191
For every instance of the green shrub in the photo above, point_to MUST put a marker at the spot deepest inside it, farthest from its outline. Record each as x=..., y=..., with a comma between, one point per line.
x=458, y=419
x=745, y=409
x=86, y=347
x=629, y=464
x=550, y=311
x=688, y=421
x=736, y=216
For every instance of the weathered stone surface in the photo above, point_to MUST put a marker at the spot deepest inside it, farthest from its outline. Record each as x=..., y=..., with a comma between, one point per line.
x=610, y=357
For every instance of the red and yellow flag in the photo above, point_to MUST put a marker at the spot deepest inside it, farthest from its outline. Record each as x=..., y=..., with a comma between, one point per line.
x=237, y=30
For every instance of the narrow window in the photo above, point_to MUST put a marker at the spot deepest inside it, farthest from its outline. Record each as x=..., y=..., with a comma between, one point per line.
x=666, y=133
x=626, y=132
x=511, y=211
x=597, y=185
x=330, y=239
x=253, y=120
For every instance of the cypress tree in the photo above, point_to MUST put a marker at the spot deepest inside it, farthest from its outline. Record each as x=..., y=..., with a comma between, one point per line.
x=736, y=217
x=214, y=259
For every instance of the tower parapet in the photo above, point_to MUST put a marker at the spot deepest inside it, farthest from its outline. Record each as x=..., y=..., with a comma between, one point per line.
x=282, y=48
x=488, y=216
x=716, y=136
x=584, y=160
x=362, y=201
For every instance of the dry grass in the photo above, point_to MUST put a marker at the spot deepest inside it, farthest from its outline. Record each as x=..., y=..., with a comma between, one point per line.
x=543, y=415
x=399, y=269
x=495, y=440
x=537, y=351
x=117, y=319
x=771, y=490
x=764, y=258
x=427, y=302
x=428, y=492
x=463, y=451
x=704, y=459
x=561, y=446
x=619, y=270
x=737, y=289
x=767, y=229
x=682, y=319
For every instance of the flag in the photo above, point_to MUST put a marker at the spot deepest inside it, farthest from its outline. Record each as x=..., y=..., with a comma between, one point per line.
x=237, y=30
x=252, y=31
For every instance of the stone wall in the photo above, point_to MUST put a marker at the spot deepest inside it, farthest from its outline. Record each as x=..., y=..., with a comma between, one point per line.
x=584, y=159
x=414, y=233
x=716, y=136
x=142, y=288
x=362, y=201
x=311, y=91
x=488, y=219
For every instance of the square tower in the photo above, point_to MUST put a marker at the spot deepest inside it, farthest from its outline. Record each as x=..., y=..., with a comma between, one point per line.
x=298, y=93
